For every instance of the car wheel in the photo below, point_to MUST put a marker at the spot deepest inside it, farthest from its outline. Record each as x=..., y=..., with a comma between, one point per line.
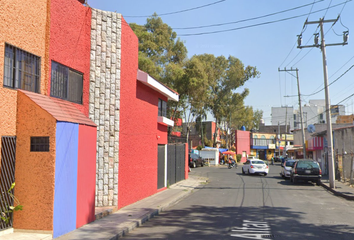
x=265, y=174
x=243, y=171
x=194, y=165
x=249, y=171
x=318, y=183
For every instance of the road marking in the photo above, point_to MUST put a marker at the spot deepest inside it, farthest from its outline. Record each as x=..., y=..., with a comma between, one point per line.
x=252, y=230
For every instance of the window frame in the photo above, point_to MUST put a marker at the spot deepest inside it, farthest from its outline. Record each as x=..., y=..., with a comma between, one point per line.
x=66, y=83
x=39, y=144
x=162, y=108
x=22, y=69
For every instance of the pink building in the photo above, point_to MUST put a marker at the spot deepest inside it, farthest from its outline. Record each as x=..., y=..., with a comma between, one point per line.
x=242, y=144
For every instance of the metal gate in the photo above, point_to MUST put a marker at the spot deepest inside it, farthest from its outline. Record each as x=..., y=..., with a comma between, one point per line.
x=175, y=163
x=7, y=177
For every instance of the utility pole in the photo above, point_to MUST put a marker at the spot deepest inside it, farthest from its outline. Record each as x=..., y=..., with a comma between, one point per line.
x=286, y=129
x=279, y=139
x=301, y=117
x=325, y=73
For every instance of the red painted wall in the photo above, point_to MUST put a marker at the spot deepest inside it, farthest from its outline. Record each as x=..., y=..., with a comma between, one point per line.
x=70, y=41
x=242, y=143
x=86, y=175
x=162, y=132
x=139, y=133
x=137, y=175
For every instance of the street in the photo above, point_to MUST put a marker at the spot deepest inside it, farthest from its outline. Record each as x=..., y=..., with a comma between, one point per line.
x=235, y=206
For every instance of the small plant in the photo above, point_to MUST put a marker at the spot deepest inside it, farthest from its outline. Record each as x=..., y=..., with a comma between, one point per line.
x=6, y=213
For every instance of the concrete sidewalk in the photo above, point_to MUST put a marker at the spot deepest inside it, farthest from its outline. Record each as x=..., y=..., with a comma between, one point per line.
x=119, y=223
x=341, y=189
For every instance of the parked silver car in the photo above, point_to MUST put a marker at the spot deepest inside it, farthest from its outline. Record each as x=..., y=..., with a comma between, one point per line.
x=286, y=168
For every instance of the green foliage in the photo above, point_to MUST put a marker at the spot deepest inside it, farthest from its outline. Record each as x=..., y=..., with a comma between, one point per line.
x=238, y=157
x=200, y=147
x=158, y=47
x=208, y=142
x=204, y=82
x=6, y=213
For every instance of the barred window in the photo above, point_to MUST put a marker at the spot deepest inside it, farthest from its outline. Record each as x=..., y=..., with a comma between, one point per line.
x=39, y=144
x=66, y=83
x=21, y=69
x=162, y=108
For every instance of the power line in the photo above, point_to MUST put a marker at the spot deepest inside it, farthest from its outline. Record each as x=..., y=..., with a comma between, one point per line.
x=328, y=8
x=316, y=32
x=255, y=25
x=345, y=72
x=249, y=19
x=181, y=11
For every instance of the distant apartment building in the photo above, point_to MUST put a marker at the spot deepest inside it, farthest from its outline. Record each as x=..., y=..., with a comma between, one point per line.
x=313, y=113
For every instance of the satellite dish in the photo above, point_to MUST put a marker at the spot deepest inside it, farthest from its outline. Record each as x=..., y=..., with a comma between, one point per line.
x=311, y=128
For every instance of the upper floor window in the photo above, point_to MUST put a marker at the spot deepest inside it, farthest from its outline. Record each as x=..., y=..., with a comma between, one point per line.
x=21, y=69
x=66, y=83
x=162, y=108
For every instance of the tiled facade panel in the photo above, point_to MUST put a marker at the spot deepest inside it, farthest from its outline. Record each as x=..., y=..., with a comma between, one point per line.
x=105, y=78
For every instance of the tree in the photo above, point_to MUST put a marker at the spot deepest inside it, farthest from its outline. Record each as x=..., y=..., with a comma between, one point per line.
x=162, y=56
x=204, y=82
x=158, y=47
x=224, y=77
x=194, y=91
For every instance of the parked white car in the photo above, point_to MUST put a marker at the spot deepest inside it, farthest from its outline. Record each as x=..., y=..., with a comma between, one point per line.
x=286, y=168
x=253, y=166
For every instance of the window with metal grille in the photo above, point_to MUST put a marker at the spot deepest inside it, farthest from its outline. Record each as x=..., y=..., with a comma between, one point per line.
x=66, y=83
x=39, y=144
x=21, y=69
x=162, y=108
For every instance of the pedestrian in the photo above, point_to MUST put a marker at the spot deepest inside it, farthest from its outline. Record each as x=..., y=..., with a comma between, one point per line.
x=272, y=160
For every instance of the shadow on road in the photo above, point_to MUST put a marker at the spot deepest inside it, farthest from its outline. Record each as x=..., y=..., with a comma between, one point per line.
x=199, y=222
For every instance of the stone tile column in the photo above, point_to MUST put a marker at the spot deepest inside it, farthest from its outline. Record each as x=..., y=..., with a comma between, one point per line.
x=105, y=101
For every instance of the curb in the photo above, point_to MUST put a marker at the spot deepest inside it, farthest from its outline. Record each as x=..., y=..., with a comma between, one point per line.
x=339, y=194
x=148, y=216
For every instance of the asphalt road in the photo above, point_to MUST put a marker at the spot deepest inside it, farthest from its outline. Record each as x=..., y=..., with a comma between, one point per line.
x=236, y=206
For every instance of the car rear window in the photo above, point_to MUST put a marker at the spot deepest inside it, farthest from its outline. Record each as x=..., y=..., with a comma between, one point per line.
x=258, y=162
x=290, y=164
x=307, y=164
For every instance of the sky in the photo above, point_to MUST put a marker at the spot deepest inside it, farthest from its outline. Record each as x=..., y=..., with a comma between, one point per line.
x=262, y=34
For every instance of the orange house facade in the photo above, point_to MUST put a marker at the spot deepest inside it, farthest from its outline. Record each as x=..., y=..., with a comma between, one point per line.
x=74, y=107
